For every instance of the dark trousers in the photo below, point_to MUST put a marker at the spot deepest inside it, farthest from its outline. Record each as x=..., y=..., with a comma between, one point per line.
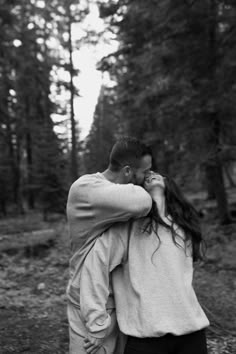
x=193, y=343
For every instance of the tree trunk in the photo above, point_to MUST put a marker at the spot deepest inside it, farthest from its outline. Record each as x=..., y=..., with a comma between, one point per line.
x=215, y=178
x=209, y=186
x=229, y=176
x=18, y=180
x=30, y=194
x=29, y=157
x=14, y=158
x=214, y=169
x=74, y=157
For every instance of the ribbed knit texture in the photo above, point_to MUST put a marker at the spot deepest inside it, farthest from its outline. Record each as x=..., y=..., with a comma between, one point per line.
x=153, y=289
x=93, y=205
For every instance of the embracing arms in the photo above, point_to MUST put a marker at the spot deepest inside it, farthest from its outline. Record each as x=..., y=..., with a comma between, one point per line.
x=108, y=252
x=94, y=197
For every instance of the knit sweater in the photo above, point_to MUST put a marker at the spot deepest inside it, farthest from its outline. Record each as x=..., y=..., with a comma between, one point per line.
x=93, y=205
x=152, y=286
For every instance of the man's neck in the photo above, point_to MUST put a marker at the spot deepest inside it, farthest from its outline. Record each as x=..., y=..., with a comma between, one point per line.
x=112, y=176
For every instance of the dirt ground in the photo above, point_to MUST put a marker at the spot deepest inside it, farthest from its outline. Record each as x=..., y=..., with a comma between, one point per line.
x=32, y=287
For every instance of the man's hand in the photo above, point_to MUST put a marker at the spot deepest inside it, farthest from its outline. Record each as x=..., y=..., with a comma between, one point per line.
x=92, y=344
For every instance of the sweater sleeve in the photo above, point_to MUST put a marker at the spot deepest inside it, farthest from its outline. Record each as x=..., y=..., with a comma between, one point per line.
x=107, y=253
x=95, y=204
x=121, y=201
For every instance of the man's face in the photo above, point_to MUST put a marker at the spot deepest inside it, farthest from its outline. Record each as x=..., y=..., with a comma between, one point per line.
x=144, y=168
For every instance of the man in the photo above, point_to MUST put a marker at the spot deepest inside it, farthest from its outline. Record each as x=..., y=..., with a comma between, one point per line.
x=95, y=202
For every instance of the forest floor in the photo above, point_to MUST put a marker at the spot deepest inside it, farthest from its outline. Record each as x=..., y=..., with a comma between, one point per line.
x=34, y=275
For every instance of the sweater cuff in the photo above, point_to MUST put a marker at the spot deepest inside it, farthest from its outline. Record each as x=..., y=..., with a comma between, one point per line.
x=99, y=334
x=99, y=327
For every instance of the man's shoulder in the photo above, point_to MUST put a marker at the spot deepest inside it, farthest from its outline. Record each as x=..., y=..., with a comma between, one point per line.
x=88, y=178
x=84, y=187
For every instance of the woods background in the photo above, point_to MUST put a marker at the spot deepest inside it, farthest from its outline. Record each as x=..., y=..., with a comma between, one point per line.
x=174, y=88
x=175, y=75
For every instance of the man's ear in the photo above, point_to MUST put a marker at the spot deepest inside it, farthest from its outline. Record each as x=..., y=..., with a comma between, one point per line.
x=127, y=170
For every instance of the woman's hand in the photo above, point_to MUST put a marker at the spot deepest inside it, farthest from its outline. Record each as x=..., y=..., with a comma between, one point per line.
x=92, y=344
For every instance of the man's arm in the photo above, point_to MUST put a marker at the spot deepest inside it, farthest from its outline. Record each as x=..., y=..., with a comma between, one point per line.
x=108, y=252
x=124, y=201
x=96, y=204
x=93, y=197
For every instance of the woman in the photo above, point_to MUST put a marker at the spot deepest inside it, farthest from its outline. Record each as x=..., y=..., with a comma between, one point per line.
x=150, y=261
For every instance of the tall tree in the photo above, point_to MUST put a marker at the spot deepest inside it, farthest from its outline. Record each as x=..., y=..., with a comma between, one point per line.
x=68, y=14
x=26, y=127
x=10, y=141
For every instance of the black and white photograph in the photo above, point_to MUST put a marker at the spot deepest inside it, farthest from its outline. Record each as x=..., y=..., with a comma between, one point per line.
x=117, y=176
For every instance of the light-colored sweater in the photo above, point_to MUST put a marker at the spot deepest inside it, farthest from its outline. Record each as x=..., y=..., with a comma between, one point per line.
x=93, y=205
x=152, y=287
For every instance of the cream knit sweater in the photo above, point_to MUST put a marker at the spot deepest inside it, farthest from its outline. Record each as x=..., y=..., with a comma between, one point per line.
x=93, y=205
x=152, y=287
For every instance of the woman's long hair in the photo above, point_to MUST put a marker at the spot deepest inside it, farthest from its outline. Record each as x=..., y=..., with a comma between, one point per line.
x=182, y=214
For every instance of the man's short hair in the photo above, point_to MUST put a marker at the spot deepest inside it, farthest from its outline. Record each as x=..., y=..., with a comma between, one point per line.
x=127, y=151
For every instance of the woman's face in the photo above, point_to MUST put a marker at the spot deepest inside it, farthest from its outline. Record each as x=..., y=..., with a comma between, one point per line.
x=154, y=180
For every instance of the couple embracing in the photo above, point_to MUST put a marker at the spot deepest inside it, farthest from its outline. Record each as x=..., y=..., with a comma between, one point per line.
x=134, y=239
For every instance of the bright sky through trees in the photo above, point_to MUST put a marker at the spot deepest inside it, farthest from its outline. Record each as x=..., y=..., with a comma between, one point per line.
x=89, y=80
